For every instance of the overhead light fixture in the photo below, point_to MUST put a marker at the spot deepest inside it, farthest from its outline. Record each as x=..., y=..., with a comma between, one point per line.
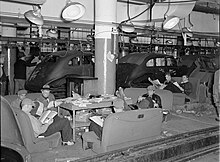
x=127, y=27
x=52, y=33
x=34, y=16
x=169, y=41
x=73, y=11
x=170, y=22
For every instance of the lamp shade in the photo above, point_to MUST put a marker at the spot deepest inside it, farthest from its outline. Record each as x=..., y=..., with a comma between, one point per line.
x=170, y=22
x=52, y=33
x=73, y=11
x=127, y=27
x=34, y=17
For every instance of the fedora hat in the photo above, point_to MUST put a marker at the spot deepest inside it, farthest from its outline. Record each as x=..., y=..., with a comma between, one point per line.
x=46, y=87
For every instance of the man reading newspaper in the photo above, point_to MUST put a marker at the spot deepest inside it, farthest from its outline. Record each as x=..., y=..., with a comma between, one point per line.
x=51, y=126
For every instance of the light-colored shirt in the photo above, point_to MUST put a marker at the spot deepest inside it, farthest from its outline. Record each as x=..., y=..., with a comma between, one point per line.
x=38, y=127
x=16, y=103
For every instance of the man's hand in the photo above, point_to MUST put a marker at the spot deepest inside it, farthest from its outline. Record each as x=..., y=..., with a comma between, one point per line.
x=57, y=103
x=50, y=121
x=140, y=98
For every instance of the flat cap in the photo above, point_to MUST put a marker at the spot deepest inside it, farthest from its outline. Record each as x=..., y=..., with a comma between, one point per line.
x=23, y=91
x=27, y=101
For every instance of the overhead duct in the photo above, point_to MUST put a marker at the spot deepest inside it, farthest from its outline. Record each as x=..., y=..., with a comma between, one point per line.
x=163, y=12
x=172, y=8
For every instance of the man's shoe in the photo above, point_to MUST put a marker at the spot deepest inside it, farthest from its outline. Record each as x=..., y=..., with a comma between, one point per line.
x=69, y=143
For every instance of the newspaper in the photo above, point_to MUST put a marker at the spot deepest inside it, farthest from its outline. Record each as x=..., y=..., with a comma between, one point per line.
x=47, y=115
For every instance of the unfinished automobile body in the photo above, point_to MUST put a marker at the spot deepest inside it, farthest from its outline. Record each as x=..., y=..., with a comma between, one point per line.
x=12, y=144
x=134, y=69
x=57, y=65
x=202, y=67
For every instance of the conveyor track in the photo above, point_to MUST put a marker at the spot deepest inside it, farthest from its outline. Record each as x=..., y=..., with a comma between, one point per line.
x=175, y=148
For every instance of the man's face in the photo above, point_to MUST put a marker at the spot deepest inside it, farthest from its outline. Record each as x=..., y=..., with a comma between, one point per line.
x=150, y=92
x=45, y=93
x=168, y=78
x=22, y=96
x=184, y=78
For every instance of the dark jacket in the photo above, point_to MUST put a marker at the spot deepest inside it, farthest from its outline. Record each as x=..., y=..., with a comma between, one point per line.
x=171, y=87
x=153, y=99
x=187, y=87
x=20, y=69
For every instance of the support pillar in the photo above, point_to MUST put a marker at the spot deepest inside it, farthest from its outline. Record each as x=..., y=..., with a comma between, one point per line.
x=105, y=60
x=10, y=53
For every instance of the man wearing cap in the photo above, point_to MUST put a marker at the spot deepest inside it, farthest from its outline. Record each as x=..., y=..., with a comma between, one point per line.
x=153, y=99
x=148, y=100
x=21, y=96
x=54, y=125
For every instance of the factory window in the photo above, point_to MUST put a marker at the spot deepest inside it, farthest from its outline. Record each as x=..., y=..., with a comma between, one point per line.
x=160, y=61
x=150, y=63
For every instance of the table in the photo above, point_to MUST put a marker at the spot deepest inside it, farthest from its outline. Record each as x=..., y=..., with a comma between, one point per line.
x=93, y=105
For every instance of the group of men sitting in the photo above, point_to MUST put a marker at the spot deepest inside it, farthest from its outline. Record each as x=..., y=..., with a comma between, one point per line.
x=34, y=109
x=150, y=99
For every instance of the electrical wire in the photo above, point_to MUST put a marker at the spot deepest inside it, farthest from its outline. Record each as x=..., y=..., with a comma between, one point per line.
x=131, y=18
x=168, y=8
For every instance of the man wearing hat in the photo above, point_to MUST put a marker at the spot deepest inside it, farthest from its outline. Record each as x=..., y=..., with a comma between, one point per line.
x=54, y=125
x=153, y=99
x=46, y=98
x=21, y=96
x=49, y=101
x=148, y=100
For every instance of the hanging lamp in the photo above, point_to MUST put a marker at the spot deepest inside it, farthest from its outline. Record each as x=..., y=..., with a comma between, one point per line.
x=73, y=11
x=170, y=22
x=34, y=16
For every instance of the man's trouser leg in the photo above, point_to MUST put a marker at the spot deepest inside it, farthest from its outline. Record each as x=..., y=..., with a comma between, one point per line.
x=60, y=125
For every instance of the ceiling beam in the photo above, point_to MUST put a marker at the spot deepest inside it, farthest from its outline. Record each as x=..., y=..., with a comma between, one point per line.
x=31, y=2
x=15, y=20
x=209, y=10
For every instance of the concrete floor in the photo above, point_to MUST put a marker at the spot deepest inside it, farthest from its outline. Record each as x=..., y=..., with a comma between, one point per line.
x=175, y=124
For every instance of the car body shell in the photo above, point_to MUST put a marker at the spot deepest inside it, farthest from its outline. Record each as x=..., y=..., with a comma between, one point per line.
x=11, y=137
x=134, y=69
x=55, y=66
x=202, y=67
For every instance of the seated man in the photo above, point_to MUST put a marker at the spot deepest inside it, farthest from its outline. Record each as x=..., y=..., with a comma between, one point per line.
x=148, y=100
x=54, y=125
x=185, y=85
x=48, y=100
x=21, y=96
x=154, y=99
x=169, y=84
